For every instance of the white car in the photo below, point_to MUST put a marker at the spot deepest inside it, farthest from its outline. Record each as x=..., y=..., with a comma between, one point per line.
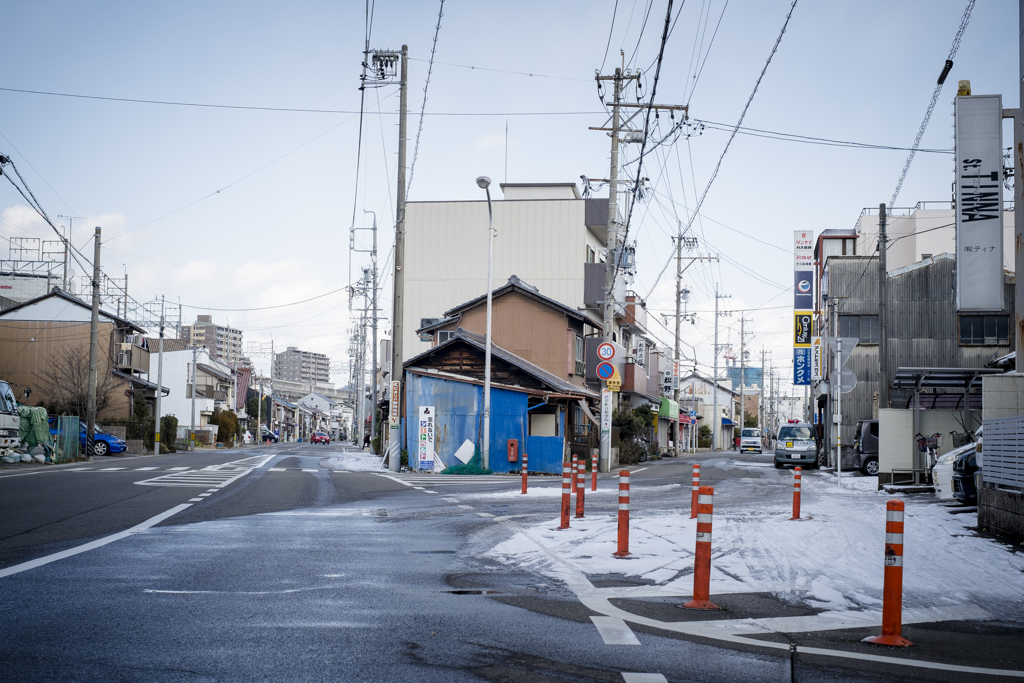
x=750, y=440
x=942, y=472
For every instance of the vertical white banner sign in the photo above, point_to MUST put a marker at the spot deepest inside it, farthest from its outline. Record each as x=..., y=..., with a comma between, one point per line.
x=426, y=438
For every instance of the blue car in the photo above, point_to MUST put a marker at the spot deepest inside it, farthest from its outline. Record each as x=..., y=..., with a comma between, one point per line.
x=104, y=443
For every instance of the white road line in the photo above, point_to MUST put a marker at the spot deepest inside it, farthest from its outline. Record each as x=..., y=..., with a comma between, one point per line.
x=393, y=478
x=212, y=490
x=485, y=514
x=419, y=488
x=79, y=469
x=176, y=469
x=277, y=469
x=195, y=500
x=204, y=495
x=428, y=491
x=615, y=632
x=643, y=678
x=466, y=507
x=152, y=521
x=309, y=470
x=144, y=469
x=111, y=469
x=634, y=472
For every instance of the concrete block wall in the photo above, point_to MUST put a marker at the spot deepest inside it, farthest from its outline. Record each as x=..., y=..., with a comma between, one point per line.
x=1002, y=396
x=1001, y=512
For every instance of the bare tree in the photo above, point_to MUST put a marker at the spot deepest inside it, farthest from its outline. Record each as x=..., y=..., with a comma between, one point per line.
x=67, y=382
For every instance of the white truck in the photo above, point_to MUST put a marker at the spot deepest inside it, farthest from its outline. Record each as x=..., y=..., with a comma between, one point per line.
x=10, y=422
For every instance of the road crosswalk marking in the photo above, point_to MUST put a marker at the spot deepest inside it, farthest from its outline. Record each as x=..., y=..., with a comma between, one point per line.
x=614, y=631
x=143, y=469
x=643, y=678
x=216, y=475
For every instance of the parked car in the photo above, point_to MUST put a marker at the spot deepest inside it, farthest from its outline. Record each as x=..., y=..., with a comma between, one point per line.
x=942, y=472
x=267, y=435
x=865, y=446
x=750, y=440
x=320, y=437
x=795, y=445
x=103, y=443
x=964, y=467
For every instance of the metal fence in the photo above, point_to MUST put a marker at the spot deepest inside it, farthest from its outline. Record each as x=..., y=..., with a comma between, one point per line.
x=66, y=443
x=1002, y=455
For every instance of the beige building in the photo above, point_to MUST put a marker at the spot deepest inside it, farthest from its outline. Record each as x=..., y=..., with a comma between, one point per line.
x=224, y=343
x=544, y=234
x=295, y=365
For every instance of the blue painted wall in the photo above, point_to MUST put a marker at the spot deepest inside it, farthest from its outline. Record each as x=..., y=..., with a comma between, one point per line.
x=458, y=408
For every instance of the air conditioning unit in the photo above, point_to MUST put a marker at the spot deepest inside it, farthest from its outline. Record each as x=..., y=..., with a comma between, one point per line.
x=124, y=359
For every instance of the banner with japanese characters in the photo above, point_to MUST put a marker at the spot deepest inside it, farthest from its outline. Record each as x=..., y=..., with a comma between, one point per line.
x=426, y=440
x=979, y=203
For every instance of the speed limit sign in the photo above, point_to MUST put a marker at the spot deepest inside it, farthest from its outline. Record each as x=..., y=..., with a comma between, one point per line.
x=605, y=351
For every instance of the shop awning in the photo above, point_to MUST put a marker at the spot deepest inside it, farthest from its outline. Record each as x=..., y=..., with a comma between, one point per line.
x=726, y=422
x=669, y=409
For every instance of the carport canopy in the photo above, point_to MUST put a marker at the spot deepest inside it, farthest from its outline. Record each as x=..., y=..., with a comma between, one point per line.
x=911, y=379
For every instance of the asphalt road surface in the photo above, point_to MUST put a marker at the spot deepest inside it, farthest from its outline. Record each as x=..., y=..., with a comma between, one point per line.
x=260, y=564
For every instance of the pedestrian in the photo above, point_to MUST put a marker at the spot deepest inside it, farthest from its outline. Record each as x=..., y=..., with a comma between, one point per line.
x=366, y=440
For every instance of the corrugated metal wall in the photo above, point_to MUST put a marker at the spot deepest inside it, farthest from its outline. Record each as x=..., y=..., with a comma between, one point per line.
x=923, y=326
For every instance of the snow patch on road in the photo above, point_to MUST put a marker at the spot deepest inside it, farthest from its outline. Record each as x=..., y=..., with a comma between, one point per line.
x=832, y=559
x=353, y=462
x=555, y=491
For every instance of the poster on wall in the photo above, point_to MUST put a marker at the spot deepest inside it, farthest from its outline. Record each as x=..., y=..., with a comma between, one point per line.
x=979, y=203
x=426, y=441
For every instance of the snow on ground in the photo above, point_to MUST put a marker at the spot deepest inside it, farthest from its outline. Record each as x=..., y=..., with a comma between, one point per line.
x=353, y=461
x=832, y=559
x=556, y=492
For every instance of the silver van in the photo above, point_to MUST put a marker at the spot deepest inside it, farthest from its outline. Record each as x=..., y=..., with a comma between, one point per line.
x=796, y=446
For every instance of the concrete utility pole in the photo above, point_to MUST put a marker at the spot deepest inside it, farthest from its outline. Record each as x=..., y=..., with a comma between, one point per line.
x=883, y=302
x=398, y=306
x=611, y=258
x=270, y=413
x=94, y=344
x=714, y=380
x=679, y=303
x=192, y=428
x=373, y=305
x=159, y=379
x=743, y=374
x=67, y=246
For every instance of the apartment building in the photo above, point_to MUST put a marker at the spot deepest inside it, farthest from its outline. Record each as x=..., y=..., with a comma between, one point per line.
x=224, y=343
x=295, y=365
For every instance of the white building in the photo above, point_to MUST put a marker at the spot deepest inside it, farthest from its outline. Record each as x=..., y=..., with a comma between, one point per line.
x=697, y=393
x=215, y=384
x=545, y=233
x=915, y=234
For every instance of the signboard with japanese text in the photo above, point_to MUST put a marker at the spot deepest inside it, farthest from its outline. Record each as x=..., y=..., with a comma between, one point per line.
x=979, y=203
x=606, y=412
x=426, y=438
x=801, y=366
x=816, y=357
x=395, y=406
x=803, y=328
x=803, y=250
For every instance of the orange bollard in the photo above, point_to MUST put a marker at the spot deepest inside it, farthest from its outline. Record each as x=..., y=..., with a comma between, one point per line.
x=702, y=558
x=524, y=472
x=892, y=592
x=593, y=472
x=575, y=468
x=623, y=550
x=566, y=494
x=796, y=494
x=694, y=490
x=581, y=488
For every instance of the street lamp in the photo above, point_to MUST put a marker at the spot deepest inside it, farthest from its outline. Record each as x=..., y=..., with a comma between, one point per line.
x=485, y=183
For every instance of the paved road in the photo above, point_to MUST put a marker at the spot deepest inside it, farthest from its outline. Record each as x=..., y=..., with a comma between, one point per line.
x=288, y=571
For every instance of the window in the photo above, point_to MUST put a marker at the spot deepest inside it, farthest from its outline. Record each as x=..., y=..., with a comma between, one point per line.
x=591, y=254
x=976, y=330
x=793, y=433
x=426, y=322
x=444, y=335
x=863, y=327
x=579, y=348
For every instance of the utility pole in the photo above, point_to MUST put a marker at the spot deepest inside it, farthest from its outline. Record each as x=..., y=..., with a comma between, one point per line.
x=67, y=246
x=743, y=373
x=159, y=379
x=715, y=419
x=192, y=428
x=883, y=299
x=94, y=344
x=398, y=306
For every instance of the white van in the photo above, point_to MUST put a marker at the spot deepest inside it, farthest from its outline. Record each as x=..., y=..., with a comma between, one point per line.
x=750, y=440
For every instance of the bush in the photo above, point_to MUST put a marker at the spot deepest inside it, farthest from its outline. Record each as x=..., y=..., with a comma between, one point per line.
x=228, y=426
x=704, y=437
x=169, y=433
x=630, y=452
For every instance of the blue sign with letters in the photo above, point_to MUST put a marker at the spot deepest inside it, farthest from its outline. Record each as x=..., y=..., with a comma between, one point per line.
x=802, y=366
x=803, y=290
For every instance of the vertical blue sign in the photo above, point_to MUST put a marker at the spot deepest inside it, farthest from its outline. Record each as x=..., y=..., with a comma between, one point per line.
x=802, y=366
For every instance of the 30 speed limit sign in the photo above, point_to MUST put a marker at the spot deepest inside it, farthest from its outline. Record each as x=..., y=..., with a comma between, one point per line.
x=605, y=351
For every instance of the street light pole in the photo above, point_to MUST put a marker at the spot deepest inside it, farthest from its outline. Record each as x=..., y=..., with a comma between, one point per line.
x=485, y=183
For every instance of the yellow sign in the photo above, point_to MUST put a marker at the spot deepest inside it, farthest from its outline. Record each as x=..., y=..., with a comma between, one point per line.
x=615, y=381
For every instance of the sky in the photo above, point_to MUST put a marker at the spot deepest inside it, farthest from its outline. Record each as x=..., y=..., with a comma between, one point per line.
x=235, y=208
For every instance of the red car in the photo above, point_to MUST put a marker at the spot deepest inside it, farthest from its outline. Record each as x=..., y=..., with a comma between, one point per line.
x=320, y=437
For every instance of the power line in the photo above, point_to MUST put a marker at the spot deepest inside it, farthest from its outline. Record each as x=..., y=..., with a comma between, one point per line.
x=423, y=107
x=265, y=308
x=935, y=97
x=504, y=71
x=807, y=139
x=743, y=114
x=209, y=105
x=611, y=30
x=696, y=78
